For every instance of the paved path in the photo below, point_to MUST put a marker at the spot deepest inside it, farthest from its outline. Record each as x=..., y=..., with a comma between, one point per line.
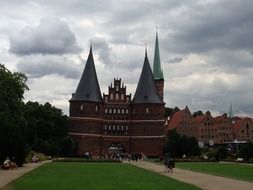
x=6, y=176
x=204, y=181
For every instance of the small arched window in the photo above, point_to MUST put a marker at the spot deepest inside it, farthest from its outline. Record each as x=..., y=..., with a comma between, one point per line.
x=147, y=110
x=81, y=107
x=106, y=110
x=96, y=108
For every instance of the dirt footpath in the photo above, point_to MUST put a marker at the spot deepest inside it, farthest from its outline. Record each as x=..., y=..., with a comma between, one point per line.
x=204, y=181
x=6, y=176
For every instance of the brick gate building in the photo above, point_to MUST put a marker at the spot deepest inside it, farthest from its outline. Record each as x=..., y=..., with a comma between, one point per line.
x=99, y=123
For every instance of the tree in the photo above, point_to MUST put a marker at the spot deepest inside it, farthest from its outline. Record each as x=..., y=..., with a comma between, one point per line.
x=48, y=129
x=170, y=111
x=197, y=113
x=178, y=145
x=221, y=153
x=246, y=151
x=13, y=125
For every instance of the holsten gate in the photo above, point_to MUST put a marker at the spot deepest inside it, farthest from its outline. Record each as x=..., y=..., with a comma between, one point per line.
x=99, y=123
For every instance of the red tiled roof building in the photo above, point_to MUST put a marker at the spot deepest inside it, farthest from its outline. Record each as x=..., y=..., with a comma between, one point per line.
x=211, y=130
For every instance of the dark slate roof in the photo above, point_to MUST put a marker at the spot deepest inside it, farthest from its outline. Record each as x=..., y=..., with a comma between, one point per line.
x=146, y=90
x=88, y=87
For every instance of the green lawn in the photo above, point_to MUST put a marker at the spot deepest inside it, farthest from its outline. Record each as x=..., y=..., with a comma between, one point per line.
x=231, y=170
x=94, y=176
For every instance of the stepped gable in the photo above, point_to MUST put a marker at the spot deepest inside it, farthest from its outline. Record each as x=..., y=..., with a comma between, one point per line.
x=178, y=117
x=146, y=91
x=88, y=88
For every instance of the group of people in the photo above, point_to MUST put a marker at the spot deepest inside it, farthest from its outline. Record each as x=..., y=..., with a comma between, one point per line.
x=8, y=164
x=124, y=156
x=121, y=156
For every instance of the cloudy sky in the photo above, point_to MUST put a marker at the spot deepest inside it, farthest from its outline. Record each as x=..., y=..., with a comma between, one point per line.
x=206, y=47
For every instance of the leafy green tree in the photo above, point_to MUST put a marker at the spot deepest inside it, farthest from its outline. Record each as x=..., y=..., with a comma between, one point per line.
x=246, y=151
x=68, y=146
x=221, y=153
x=170, y=111
x=13, y=125
x=178, y=145
x=47, y=129
x=197, y=113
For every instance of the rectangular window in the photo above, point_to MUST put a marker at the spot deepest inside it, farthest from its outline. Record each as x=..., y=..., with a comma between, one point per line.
x=117, y=96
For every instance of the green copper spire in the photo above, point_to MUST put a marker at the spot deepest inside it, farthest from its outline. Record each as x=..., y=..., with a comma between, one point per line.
x=157, y=70
x=230, y=114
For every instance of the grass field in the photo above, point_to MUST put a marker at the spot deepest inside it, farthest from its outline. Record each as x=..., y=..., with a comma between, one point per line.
x=94, y=176
x=231, y=170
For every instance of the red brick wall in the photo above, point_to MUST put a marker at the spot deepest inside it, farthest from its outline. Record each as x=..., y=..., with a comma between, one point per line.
x=89, y=109
x=85, y=126
x=88, y=144
x=148, y=146
x=159, y=86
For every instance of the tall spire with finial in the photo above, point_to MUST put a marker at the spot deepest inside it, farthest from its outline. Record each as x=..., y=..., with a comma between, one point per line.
x=157, y=69
x=146, y=90
x=230, y=113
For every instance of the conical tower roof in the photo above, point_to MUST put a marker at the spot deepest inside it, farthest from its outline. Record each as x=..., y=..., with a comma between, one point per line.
x=157, y=69
x=88, y=87
x=146, y=91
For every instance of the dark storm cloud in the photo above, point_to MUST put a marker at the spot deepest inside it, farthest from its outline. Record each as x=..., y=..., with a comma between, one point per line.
x=220, y=25
x=232, y=61
x=205, y=45
x=38, y=66
x=52, y=36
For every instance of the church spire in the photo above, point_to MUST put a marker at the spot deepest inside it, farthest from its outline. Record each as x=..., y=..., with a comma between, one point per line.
x=146, y=90
x=230, y=114
x=157, y=70
x=88, y=88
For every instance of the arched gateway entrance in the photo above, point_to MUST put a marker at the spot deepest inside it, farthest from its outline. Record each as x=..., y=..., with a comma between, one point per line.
x=116, y=148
